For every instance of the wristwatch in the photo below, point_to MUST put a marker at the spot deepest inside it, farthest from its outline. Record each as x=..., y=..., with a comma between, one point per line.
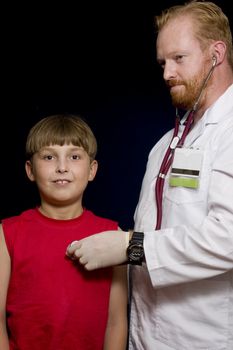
x=135, y=250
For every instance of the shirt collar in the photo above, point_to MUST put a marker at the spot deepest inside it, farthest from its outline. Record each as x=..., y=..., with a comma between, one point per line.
x=218, y=111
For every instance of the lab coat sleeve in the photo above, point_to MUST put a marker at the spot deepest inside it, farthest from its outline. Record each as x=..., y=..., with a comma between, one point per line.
x=188, y=253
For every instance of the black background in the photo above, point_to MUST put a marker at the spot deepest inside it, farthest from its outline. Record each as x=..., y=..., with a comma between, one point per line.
x=99, y=62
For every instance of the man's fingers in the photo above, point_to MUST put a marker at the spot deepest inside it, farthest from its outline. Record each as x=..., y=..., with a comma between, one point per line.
x=82, y=260
x=91, y=266
x=72, y=251
x=107, y=248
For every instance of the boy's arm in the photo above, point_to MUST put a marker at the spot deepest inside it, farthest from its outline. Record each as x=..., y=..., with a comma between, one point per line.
x=117, y=325
x=5, y=266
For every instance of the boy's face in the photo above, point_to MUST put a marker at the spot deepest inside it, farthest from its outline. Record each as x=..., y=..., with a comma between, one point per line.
x=61, y=173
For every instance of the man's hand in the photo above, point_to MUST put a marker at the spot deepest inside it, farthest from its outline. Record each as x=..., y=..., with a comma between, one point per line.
x=103, y=249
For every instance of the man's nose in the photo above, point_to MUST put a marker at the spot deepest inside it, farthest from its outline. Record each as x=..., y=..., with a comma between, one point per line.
x=169, y=71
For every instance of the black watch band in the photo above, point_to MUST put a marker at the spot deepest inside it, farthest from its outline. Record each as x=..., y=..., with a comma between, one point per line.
x=135, y=250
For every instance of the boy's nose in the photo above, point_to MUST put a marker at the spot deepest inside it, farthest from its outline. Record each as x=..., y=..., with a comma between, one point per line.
x=62, y=167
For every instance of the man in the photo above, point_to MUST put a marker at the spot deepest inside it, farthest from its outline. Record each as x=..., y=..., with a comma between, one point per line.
x=182, y=294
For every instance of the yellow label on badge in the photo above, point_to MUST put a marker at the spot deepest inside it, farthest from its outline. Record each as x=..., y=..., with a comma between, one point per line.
x=184, y=182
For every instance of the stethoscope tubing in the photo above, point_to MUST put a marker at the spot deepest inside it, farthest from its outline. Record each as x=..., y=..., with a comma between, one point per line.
x=167, y=161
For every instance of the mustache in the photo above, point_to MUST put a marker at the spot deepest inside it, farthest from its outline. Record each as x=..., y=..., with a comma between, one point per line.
x=171, y=83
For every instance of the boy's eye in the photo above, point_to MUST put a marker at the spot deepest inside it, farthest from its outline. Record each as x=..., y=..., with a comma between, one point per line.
x=75, y=156
x=48, y=157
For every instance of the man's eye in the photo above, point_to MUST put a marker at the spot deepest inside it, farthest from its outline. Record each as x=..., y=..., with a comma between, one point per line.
x=179, y=58
x=161, y=64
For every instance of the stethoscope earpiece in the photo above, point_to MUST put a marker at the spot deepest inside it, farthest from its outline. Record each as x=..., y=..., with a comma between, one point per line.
x=214, y=59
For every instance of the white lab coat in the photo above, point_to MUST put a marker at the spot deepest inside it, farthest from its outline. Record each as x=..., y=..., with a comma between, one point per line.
x=183, y=298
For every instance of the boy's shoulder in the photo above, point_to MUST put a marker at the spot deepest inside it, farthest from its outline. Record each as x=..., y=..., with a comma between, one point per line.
x=25, y=215
x=105, y=223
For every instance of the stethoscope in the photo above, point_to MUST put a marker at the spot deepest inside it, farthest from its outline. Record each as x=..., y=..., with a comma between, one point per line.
x=176, y=141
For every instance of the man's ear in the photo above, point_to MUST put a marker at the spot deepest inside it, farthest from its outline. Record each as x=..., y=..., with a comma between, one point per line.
x=93, y=170
x=219, y=51
x=29, y=170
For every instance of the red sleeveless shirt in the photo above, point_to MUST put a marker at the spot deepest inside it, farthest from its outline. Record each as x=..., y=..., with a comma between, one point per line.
x=52, y=302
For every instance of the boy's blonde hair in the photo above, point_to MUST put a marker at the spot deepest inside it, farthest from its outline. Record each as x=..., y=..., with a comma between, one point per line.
x=61, y=129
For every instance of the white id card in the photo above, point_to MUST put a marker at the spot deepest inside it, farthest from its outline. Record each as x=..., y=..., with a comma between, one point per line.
x=186, y=168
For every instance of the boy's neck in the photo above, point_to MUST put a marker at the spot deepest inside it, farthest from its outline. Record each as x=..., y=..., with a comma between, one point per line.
x=62, y=213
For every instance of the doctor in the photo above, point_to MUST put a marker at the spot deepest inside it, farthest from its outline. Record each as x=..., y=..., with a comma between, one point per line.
x=181, y=250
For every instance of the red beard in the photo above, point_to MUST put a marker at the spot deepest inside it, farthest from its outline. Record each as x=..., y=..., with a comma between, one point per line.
x=187, y=96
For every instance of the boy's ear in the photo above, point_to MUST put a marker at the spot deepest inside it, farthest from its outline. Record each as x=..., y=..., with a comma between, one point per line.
x=29, y=170
x=93, y=170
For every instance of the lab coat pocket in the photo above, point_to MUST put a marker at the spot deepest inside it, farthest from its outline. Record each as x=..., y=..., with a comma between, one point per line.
x=181, y=194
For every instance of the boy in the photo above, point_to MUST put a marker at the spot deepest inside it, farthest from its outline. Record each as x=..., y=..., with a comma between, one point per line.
x=48, y=301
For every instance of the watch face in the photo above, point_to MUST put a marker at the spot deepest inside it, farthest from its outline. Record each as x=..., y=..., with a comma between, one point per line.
x=135, y=252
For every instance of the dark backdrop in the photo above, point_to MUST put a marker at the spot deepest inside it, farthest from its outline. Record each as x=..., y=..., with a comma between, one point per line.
x=97, y=62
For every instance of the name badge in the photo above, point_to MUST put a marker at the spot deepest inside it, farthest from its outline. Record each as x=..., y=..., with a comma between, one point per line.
x=186, y=168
